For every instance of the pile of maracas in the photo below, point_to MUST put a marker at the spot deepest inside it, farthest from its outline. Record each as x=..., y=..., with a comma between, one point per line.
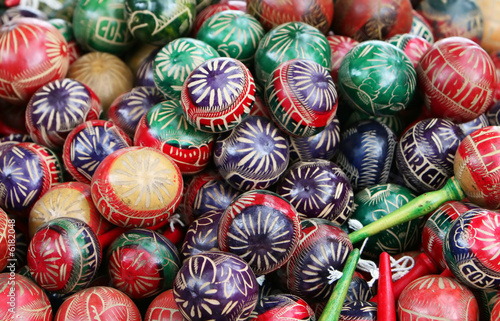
x=258, y=160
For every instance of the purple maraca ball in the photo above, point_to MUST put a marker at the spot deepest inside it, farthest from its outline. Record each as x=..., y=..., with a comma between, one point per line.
x=359, y=311
x=253, y=155
x=202, y=234
x=366, y=152
x=215, y=286
x=318, y=188
x=144, y=75
x=425, y=154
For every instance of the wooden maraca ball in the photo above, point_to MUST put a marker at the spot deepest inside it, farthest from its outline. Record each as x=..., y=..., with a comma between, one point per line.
x=64, y=255
x=142, y=263
x=137, y=187
x=69, y=199
x=98, y=303
x=435, y=297
x=22, y=299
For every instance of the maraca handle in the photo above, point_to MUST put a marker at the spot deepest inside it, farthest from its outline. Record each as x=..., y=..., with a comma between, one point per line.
x=386, y=303
x=416, y=208
x=331, y=312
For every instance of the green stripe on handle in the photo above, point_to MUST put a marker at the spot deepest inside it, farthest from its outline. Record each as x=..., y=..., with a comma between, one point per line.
x=336, y=301
x=419, y=206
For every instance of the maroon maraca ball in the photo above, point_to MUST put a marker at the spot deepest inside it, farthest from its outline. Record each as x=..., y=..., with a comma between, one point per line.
x=434, y=297
x=57, y=108
x=22, y=299
x=340, y=46
x=7, y=238
x=372, y=20
x=98, y=303
x=282, y=307
x=217, y=286
x=272, y=233
x=477, y=166
x=457, y=78
x=163, y=308
x=412, y=45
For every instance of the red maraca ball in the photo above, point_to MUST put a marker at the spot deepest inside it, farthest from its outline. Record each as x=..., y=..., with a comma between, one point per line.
x=163, y=307
x=477, y=166
x=433, y=297
x=457, y=78
x=98, y=303
x=33, y=52
x=22, y=299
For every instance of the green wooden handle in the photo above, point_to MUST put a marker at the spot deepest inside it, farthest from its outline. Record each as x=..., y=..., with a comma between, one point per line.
x=416, y=208
x=332, y=309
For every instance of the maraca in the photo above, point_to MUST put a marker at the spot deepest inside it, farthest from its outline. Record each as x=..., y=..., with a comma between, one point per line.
x=477, y=176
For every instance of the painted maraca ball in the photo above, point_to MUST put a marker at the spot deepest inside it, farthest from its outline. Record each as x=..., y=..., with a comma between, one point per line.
x=318, y=188
x=323, y=145
x=7, y=244
x=359, y=290
x=99, y=302
x=33, y=53
x=102, y=26
x=323, y=247
x=425, y=154
x=175, y=61
x=215, y=286
x=457, y=78
x=27, y=171
x=289, y=41
x=470, y=248
x=218, y=94
x=366, y=153
x=377, y=78
x=233, y=33
x=477, y=167
x=273, y=230
x=435, y=297
x=207, y=192
x=436, y=227
x=22, y=299
x=163, y=307
x=358, y=311
x=64, y=255
x=164, y=127
x=88, y=144
x=302, y=97
x=201, y=235
x=69, y=199
x=142, y=263
x=253, y=155
x=128, y=108
x=214, y=8
x=137, y=187
x=375, y=202
x=144, y=76
x=158, y=22
x=282, y=306
x=372, y=20
x=57, y=108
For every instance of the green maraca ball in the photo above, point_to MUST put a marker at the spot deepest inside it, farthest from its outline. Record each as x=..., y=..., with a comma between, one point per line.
x=375, y=202
x=377, y=78
x=157, y=22
x=100, y=25
x=289, y=41
x=233, y=34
